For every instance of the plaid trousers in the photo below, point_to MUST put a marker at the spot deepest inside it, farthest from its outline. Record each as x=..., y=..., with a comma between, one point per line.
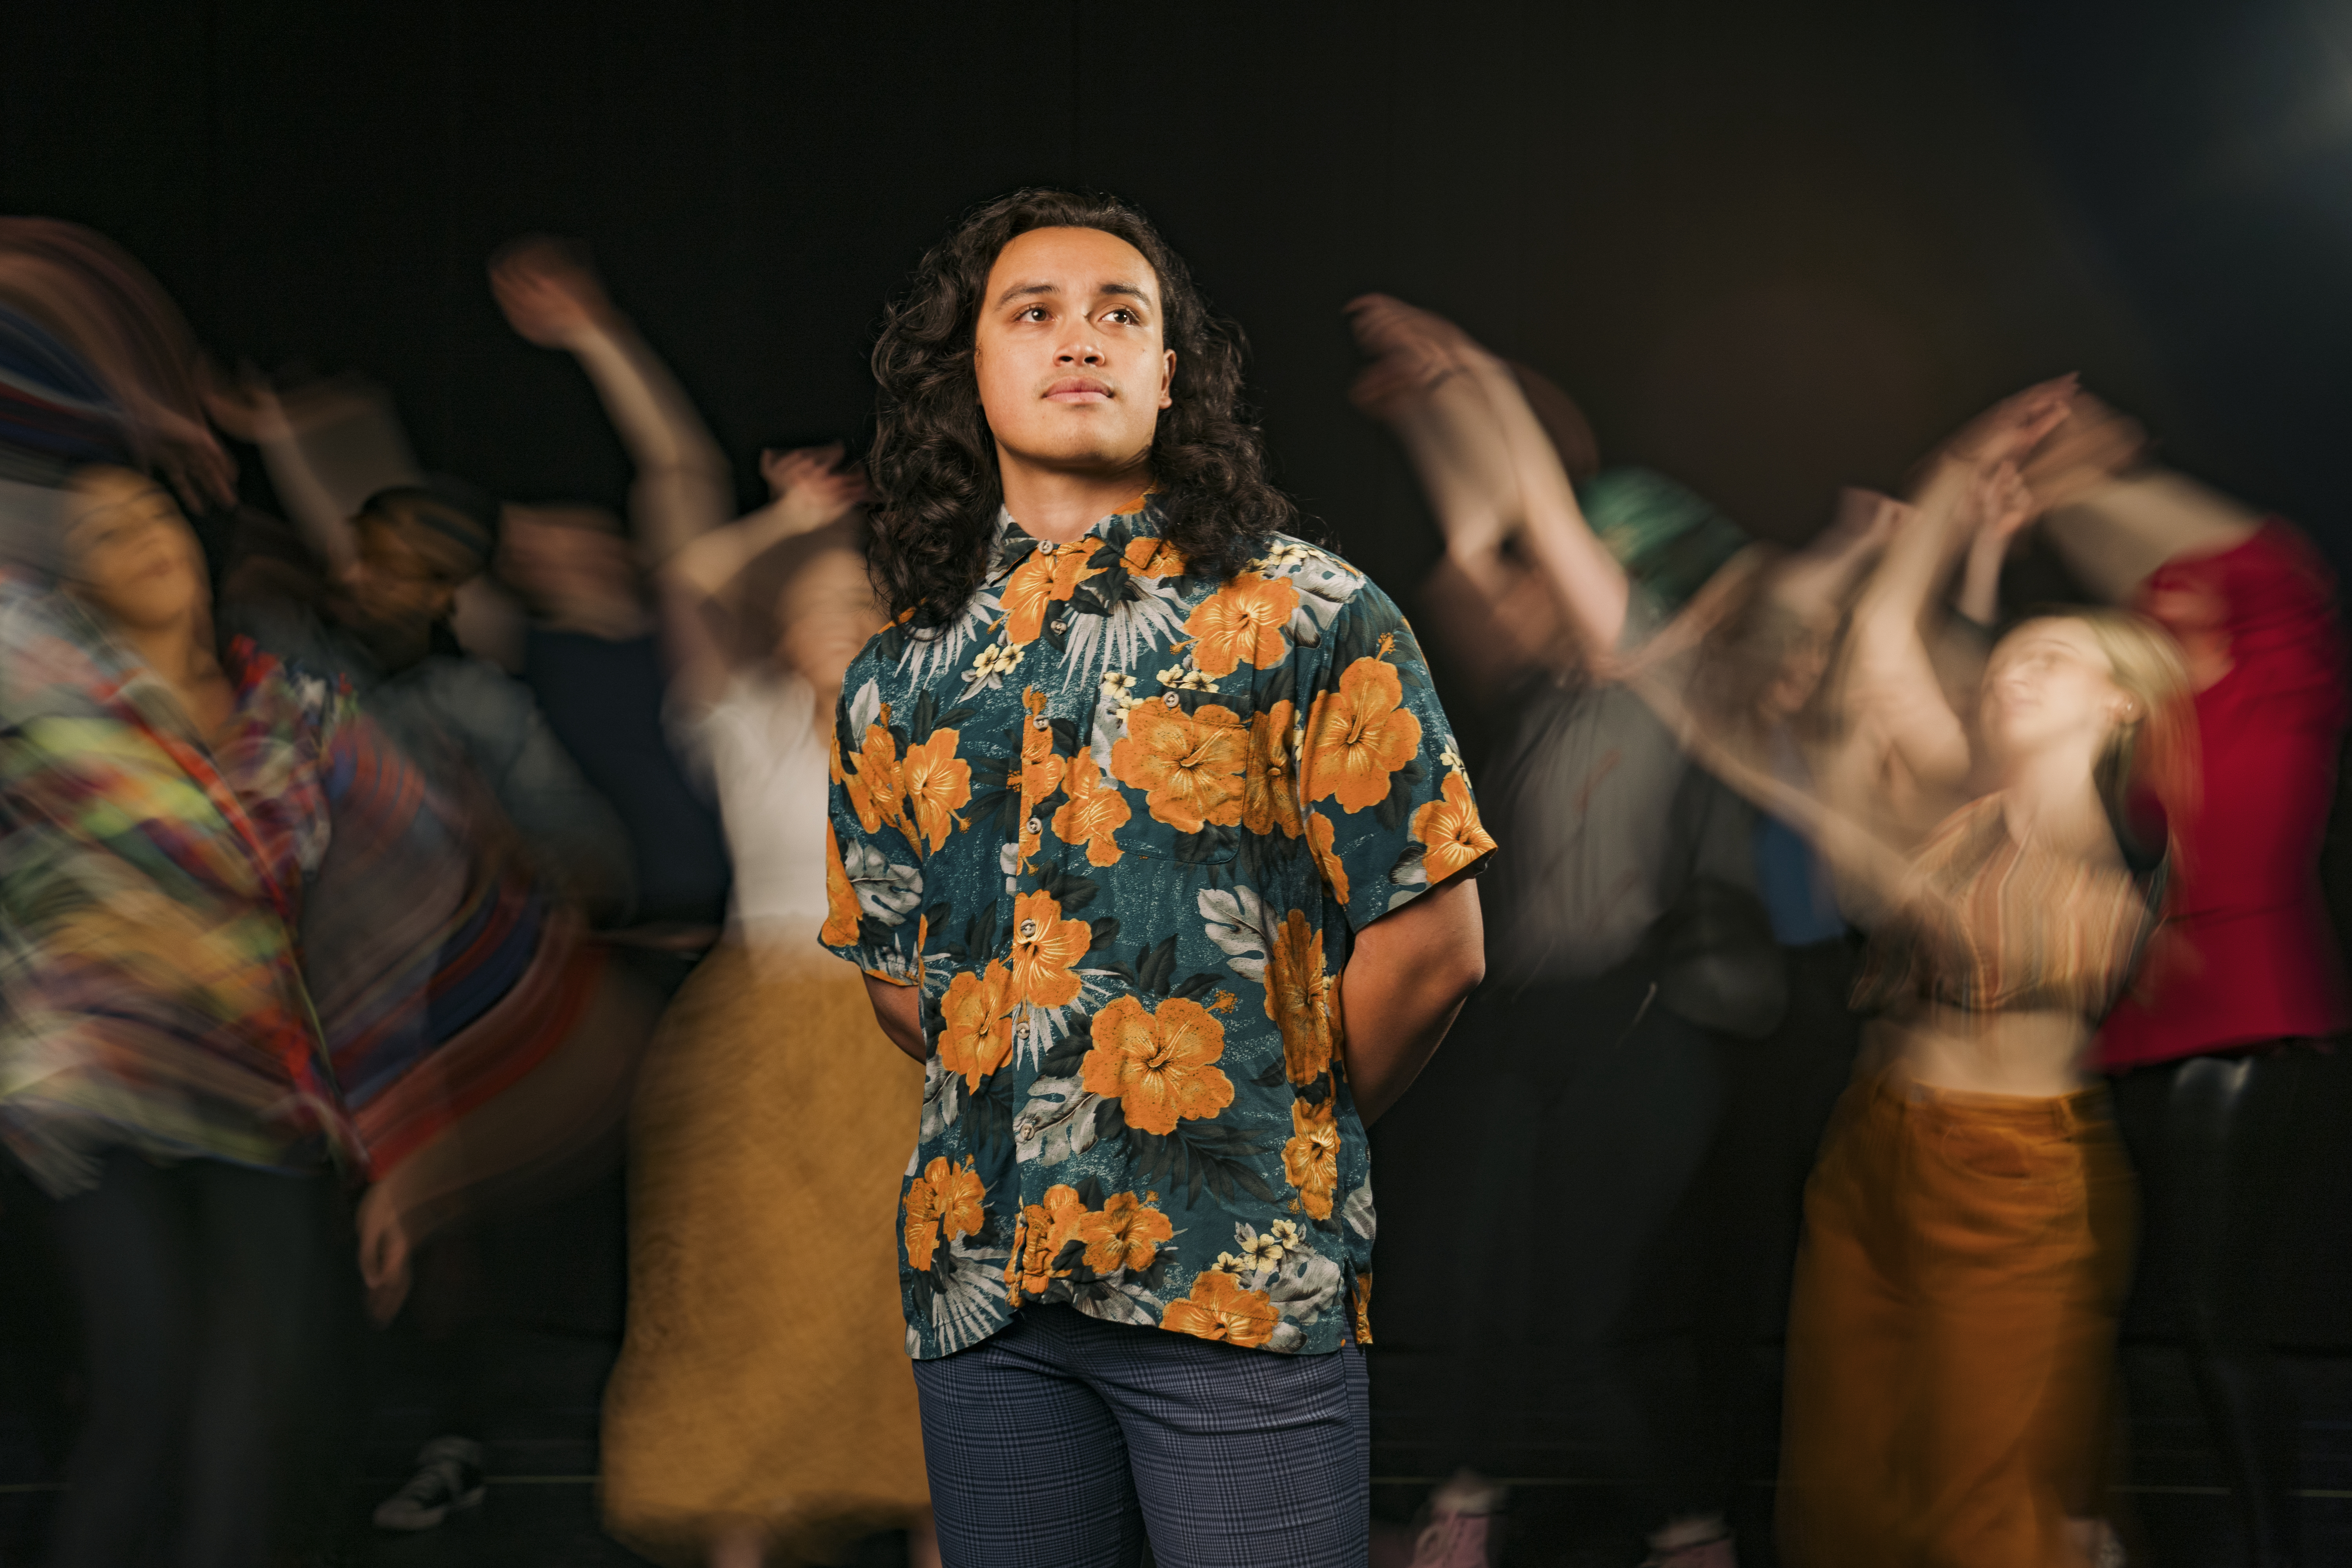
x=1061, y=1441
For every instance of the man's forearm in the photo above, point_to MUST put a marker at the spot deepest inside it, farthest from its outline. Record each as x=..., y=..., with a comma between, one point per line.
x=899, y=1010
x=1405, y=983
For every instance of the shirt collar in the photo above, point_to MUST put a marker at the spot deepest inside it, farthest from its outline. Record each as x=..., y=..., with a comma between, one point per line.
x=1138, y=519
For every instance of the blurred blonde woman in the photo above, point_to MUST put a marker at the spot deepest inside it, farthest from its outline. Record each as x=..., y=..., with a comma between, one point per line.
x=1968, y=1227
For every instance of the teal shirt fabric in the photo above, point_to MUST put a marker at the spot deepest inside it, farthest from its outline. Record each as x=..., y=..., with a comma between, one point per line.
x=1120, y=824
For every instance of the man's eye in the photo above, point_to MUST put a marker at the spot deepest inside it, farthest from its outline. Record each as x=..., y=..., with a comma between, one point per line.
x=1033, y=313
x=1124, y=316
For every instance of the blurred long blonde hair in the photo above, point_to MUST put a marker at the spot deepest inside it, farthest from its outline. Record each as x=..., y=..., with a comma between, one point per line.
x=2154, y=750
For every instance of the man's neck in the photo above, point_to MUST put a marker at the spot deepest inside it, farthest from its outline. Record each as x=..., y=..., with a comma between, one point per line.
x=1059, y=505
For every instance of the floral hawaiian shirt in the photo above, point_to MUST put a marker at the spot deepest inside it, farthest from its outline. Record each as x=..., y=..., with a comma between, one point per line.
x=1121, y=822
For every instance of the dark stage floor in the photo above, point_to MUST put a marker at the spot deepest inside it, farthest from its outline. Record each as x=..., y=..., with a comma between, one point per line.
x=542, y=1507
x=557, y=1284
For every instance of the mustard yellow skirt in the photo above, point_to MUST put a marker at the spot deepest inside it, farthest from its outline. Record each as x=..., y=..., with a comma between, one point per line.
x=764, y=1379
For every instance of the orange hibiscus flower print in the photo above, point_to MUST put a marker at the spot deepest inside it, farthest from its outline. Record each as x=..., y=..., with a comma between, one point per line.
x=1319, y=839
x=1359, y=735
x=1269, y=784
x=1360, y=1298
x=938, y=784
x=1046, y=948
x=1189, y=765
x=1093, y=814
x=1297, y=996
x=1242, y=623
x=1148, y=557
x=1310, y=1160
x=1124, y=1235
x=1219, y=1309
x=1041, y=1231
x=976, y=1038
x=920, y=1211
x=1449, y=831
x=945, y=1199
x=840, y=899
x=874, y=785
x=1159, y=1065
x=962, y=1197
x=1050, y=575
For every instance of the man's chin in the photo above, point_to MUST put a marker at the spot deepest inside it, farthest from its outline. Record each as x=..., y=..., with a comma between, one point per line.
x=1091, y=458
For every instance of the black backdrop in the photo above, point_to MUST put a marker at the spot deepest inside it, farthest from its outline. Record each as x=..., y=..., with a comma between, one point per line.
x=1774, y=248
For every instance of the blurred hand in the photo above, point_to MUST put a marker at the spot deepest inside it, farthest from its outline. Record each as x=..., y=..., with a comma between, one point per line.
x=549, y=296
x=2012, y=428
x=1412, y=351
x=1999, y=505
x=813, y=485
x=384, y=1254
x=248, y=407
x=2089, y=448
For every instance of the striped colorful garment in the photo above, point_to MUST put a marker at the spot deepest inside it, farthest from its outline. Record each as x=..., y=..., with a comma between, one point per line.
x=55, y=413
x=1997, y=928
x=150, y=890
x=442, y=977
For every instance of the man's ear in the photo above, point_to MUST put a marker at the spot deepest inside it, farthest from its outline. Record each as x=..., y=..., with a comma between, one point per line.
x=1167, y=378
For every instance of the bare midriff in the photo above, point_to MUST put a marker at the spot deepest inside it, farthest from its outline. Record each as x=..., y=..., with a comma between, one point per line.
x=2031, y=1053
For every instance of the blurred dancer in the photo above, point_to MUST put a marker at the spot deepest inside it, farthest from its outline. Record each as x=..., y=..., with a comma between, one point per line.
x=159, y=1074
x=1633, y=968
x=1202, y=761
x=1968, y=1228
x=479, y=1031
x=2214, y=1051
x=749, y=1418
x=591, y=652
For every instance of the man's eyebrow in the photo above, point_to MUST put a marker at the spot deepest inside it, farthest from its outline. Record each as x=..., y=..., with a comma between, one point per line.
x=1026, y=290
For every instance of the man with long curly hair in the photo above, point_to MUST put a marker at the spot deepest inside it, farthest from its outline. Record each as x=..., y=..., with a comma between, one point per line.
x=1135, y=800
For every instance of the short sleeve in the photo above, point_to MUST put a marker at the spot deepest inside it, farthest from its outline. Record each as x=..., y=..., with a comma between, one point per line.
x=1387, y=806
x=873, y=873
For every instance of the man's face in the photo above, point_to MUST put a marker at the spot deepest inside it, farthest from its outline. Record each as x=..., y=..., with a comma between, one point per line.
x=1072, y=365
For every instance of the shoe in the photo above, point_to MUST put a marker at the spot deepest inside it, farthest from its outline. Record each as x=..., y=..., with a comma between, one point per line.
x=448, y=1477
x=1460, y=1529
x=1702, y=1544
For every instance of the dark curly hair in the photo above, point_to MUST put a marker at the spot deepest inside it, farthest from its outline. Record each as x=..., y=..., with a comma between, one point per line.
x=934, y=461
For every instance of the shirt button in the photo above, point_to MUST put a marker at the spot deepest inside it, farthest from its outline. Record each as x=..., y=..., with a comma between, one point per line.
x=1062, y=626
x=1170, y=699
x=1041, y=722
x=1028, y=931
x=1035, y=827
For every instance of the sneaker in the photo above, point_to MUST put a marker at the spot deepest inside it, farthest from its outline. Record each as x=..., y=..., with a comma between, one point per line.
x=1461, y=1531
x=1698, y=1543
x=448, y=1475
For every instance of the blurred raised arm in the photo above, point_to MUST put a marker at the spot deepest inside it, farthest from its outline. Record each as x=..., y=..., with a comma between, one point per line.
x=1491, y=471
x=2116, y=519
x=701, y=588
x=683, y=486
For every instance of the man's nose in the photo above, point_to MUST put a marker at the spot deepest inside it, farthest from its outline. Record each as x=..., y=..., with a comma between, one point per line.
x=1081, y=351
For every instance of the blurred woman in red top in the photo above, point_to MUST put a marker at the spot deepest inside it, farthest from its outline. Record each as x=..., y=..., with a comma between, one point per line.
x=2213, y=1046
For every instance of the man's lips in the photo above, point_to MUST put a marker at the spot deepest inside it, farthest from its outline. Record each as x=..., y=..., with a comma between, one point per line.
x=1078, y=389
